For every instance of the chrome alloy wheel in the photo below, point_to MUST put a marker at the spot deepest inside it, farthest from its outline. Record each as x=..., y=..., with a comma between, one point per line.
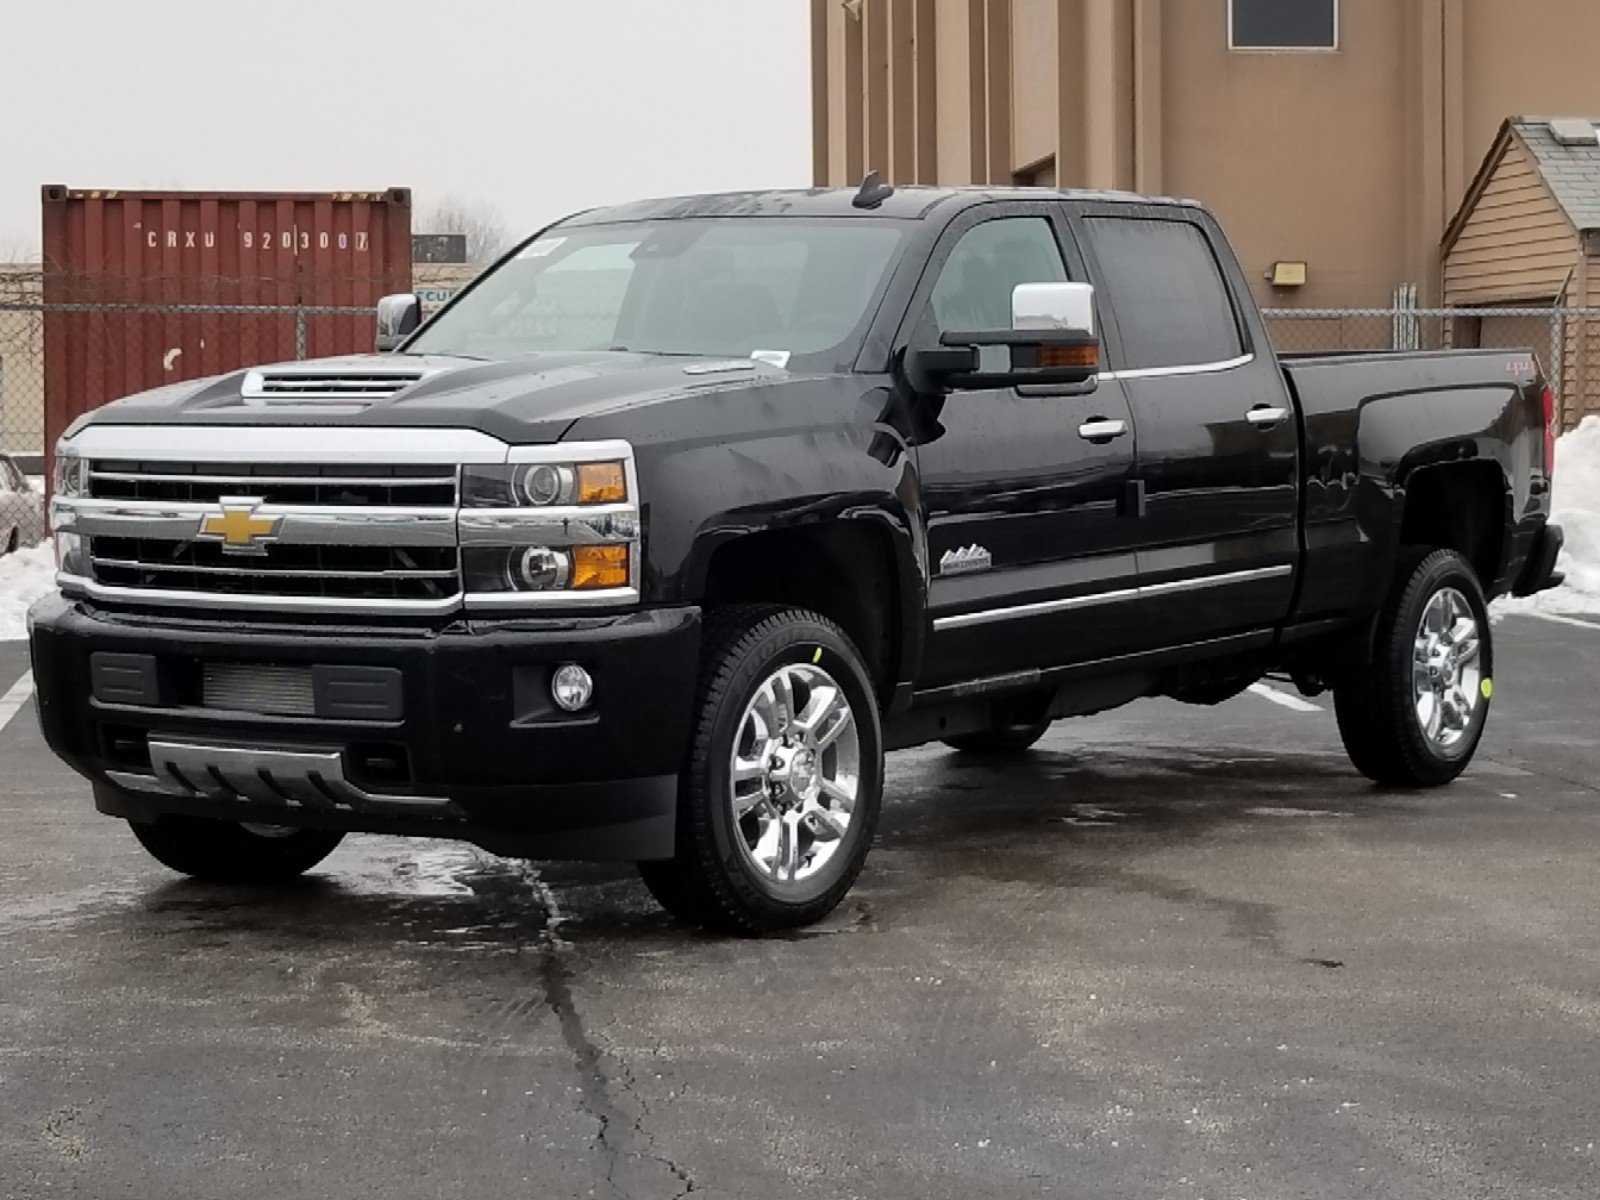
x=796, y=772
x=1446, y=676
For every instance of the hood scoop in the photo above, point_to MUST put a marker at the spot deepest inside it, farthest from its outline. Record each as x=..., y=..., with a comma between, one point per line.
x=272, y=386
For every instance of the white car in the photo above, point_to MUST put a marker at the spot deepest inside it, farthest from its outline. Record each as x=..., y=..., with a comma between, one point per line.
x=21, y=508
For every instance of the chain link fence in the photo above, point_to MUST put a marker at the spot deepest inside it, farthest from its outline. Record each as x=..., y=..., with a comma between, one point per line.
x=1567, y=340
x=21, y=407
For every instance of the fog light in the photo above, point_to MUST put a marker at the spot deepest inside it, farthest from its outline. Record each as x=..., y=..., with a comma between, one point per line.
x=572, y=687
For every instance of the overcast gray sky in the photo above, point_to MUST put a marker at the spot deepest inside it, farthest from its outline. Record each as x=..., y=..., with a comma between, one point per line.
x=540, y=106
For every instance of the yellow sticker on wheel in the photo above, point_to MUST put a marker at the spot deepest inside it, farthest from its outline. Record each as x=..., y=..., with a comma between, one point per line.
x=1487, y=688
x=817, y=657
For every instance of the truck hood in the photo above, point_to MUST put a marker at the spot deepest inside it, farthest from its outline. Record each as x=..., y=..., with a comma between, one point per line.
x=523, y=400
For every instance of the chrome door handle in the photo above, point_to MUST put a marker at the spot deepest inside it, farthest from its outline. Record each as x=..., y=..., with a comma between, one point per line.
x=1098, y=429
x=1265, y=416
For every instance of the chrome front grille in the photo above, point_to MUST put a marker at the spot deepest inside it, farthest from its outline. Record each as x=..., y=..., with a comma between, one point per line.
x=279, y=520
x=279, y=532
x=274, y=483
x=331, y=572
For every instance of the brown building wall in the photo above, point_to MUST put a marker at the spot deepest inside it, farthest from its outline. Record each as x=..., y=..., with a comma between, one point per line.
x=1351, y=160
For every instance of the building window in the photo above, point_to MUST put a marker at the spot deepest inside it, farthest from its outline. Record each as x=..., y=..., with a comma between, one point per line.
x=1283, y=24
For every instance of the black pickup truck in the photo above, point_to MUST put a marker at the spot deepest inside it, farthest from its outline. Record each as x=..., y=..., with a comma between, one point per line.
x=651, y=543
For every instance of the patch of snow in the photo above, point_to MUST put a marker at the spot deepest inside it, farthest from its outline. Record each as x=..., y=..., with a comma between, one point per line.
x=25, y=576
x=1576, y=508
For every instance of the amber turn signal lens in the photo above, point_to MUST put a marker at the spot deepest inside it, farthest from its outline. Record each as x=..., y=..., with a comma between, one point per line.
x=1069, y=356
x=599, y=567
x=602, y=483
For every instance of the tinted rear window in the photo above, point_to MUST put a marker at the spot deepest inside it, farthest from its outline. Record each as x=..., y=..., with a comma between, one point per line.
x=1167, y=294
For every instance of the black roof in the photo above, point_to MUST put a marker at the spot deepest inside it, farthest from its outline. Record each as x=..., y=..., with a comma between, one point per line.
x=906, y=203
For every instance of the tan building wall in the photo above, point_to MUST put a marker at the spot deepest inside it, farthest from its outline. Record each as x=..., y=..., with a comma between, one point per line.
x=1350, y=160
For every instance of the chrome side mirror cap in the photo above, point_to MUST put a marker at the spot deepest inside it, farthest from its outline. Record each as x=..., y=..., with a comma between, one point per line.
x=398, y=318
x=1064, y=306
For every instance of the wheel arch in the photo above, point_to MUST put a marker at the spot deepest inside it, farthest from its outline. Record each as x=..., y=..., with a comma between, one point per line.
x=857, y=572
x=1463, y=506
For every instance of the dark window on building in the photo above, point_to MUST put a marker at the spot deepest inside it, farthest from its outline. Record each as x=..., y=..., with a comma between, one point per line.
x=1167, y=293
x=1283, y=24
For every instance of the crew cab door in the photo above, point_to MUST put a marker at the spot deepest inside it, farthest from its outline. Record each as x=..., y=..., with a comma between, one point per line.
x=1218, y=455
x=1021, y=492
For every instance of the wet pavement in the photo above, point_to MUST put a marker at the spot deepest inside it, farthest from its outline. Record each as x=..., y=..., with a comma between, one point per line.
x=1177, y=952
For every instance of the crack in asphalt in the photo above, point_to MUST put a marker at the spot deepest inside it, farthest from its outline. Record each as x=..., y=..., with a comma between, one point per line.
x=595, y=1085
x=595, y=1096
x=1247, y=920
x=1540, y=769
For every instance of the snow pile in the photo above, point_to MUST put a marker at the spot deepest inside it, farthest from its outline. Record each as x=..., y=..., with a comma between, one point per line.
x=24, y=576
x=1576, y=509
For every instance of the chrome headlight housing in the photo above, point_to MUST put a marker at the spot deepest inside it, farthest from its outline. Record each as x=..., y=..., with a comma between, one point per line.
x=545, y=485
x=555, y=525
x=69, y=481
x=70, y=477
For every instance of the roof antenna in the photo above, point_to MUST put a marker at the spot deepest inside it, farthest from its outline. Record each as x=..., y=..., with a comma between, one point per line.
x=874, y=191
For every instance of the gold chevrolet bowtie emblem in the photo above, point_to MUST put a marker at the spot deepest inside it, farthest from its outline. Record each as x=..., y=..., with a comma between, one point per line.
x=239, y=527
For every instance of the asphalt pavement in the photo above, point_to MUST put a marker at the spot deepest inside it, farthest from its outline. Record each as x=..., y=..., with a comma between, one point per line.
x=1176, y=952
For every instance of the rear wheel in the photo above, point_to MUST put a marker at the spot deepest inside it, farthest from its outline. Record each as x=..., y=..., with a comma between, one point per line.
x=1001, y=741
x=780, y=794
x=230, y=853
x=1414, y=715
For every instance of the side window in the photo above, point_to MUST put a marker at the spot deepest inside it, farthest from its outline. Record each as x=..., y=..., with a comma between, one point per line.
x=975, y=285
x=1166, y=292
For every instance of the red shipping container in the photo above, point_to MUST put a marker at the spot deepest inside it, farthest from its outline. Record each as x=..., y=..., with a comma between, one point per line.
x=138, y=270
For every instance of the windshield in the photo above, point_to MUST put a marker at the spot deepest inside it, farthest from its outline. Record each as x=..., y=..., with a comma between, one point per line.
x=727, y=288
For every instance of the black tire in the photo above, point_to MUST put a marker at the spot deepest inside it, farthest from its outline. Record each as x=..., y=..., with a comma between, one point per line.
x=712, y=880
x=1375, y=703
x=227, y=852
x=1003, y=741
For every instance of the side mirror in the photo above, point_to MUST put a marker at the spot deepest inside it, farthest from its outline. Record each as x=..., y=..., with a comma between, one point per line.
x=1051, y=342
x=398, y=318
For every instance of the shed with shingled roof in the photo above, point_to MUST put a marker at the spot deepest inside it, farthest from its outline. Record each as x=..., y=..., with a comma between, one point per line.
x=1528, y=236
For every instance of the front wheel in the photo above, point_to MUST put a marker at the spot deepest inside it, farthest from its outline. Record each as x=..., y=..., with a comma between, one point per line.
x=780, y=793
x=230, y=853
x=1413, y=715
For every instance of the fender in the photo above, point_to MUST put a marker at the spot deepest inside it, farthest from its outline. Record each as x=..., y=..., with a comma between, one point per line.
x=787, y=455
